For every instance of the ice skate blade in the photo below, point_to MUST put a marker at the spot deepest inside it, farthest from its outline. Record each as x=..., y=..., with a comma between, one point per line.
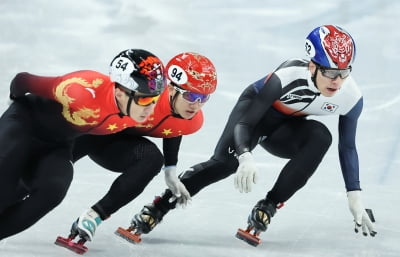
x=247, y=237
x=78, y=248
x=128, y=235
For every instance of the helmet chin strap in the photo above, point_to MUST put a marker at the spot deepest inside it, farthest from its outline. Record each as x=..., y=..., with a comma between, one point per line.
x=128, y=106
x=130, y=94
x=172, y=100
x=314, y=76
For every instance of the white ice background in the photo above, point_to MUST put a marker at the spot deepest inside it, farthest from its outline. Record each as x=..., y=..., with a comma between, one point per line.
x=245, y=40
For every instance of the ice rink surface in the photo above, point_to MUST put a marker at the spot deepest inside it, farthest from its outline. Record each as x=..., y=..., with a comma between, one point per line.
x=245, y=40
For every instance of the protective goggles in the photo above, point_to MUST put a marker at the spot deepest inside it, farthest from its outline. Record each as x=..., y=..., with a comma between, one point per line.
x=334, y=73
x=192, y=97
x=145, y=100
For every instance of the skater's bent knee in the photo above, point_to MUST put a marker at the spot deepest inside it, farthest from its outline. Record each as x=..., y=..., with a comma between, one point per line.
x=320, y=133
x=54, y=192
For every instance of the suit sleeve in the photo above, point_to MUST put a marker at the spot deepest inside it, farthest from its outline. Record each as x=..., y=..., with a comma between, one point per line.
x=251, y=107
x=347, y=147
x=171, y=149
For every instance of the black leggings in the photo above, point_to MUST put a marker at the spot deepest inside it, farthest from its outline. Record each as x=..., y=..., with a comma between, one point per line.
x=303, y=142
x=29, y=166
x=137, y=159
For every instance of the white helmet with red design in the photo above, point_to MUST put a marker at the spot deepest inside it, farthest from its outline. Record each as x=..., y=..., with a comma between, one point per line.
x=139, y=71
x=331, y=46
x=192, y=72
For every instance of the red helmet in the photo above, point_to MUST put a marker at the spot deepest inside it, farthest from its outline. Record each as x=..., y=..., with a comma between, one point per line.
x=193, y=72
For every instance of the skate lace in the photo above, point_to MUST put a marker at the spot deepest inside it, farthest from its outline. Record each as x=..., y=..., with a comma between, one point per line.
x=149, y=220
x=262, y=216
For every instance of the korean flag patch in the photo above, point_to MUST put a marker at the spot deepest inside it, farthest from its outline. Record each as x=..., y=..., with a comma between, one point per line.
x=329, y=107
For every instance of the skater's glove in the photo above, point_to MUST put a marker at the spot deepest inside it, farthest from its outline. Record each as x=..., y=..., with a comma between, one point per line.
x=361, y=218
x=247, y=173
x=176, y=186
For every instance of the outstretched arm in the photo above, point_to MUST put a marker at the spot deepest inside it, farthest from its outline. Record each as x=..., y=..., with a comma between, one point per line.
x=347, y=147
x=350, y=169
x=171, y=150
x=255, y=101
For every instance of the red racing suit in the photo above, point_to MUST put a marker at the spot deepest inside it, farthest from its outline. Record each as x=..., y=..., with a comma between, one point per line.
x=86, y=97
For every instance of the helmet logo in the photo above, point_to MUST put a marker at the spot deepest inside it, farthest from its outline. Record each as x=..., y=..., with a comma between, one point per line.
x=153, y=70
x=339, y=46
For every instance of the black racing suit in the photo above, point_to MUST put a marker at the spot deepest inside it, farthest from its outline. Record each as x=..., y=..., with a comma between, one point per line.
x=33, y=162
x=304, y=142
x=137, y=159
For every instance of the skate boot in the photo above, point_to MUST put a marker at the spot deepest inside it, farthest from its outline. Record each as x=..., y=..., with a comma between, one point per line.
x=84, y=227
x=87, y=224
x=258, y=221
x=145, y=221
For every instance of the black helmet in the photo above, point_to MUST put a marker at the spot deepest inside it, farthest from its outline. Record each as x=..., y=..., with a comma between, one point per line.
x=139, y=71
